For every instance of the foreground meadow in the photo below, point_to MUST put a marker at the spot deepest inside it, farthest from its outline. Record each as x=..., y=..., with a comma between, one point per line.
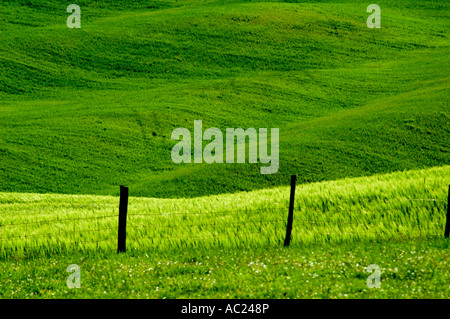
x=409, y=269
x=231, y=246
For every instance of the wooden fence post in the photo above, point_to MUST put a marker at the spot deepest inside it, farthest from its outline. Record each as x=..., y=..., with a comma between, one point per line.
x=287, y=239
x=123, y=207
x=447, y=224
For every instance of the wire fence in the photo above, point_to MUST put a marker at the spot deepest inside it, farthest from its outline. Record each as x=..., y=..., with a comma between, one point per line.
x=326, y=220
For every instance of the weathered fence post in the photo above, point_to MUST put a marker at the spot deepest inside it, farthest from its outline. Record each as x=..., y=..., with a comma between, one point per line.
x=447, y=224
x=123, y=207
x=287, y=239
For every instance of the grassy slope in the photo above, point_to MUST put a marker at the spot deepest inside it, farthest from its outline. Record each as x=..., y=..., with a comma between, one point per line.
x=391, y=206
x=83, y=111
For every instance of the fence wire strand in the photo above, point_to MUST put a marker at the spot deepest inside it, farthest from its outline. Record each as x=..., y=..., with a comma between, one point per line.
x=55, y=221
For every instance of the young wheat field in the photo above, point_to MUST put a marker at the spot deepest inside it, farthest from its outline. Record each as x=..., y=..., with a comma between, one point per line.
x=398, y=205
x=231, y=246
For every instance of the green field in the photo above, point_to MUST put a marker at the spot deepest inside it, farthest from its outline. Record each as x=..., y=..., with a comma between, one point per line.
x=84, y=110
x=409, y=269
x=408, y=205
x=364, y=121
x=187, y=248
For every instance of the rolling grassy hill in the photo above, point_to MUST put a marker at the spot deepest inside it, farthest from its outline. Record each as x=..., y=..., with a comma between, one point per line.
x=404, y=205
x=85, y=110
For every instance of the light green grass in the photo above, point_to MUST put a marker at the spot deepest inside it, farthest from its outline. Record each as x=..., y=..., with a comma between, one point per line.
x=399, y=205
x=392, y=225
x=410, y=269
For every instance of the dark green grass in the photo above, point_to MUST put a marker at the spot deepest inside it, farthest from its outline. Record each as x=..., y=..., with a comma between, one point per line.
x=409, y=269
x=84, y=110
